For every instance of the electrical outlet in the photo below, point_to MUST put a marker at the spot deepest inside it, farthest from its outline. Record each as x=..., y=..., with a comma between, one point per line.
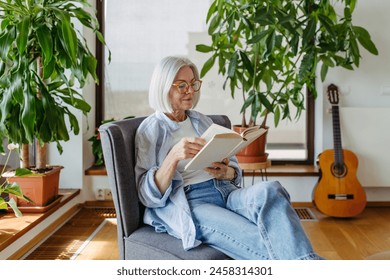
x=100, y=194
x=107, y=194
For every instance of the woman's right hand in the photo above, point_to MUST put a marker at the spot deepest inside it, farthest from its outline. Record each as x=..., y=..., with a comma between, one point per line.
x=187, y=148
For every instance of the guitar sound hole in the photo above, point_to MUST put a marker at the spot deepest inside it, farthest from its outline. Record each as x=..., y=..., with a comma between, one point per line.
x=339, y=171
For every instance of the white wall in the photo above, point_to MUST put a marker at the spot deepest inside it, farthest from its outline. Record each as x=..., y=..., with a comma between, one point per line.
x=360, y=88
x=368, y=87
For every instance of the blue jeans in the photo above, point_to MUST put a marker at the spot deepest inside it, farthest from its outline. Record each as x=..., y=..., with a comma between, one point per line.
x=256, y=222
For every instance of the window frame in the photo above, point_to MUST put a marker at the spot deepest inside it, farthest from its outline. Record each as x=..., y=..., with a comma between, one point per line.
x=100, y=106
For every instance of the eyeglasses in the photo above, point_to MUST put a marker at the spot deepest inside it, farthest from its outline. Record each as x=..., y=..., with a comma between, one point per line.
x=183, y=86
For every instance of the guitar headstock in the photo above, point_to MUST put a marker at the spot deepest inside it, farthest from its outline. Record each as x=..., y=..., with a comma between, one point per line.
x=333, y=94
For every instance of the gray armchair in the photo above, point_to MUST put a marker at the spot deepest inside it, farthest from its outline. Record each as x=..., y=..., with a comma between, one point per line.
x=137, y=240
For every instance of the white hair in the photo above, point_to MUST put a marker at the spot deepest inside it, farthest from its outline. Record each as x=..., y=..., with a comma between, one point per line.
x=163, y=76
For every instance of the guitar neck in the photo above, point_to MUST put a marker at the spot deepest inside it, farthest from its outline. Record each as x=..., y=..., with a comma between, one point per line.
x=338, y=154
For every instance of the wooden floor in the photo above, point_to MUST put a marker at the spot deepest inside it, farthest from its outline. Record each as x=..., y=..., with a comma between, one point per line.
x=351, y=239
x=333, y=238
x=89, y=235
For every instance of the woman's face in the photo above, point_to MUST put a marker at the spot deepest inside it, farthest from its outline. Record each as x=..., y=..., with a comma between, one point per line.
x=182, y=101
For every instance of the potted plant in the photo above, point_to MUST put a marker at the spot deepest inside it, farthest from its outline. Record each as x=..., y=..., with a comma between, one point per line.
x=270, y=50
x=7, y=189
x=45, y=61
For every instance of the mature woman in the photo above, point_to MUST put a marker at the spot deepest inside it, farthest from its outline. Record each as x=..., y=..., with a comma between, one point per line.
x=206, y=206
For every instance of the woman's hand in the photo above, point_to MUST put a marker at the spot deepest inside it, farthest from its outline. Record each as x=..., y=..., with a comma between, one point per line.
x=187, y=148
x=222, y=170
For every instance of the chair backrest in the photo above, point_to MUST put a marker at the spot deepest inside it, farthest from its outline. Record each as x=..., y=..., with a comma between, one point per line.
x=119, y=155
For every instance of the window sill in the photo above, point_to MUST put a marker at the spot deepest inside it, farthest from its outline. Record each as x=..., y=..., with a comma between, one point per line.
x=96, y=171
x=293, y=170
x=272, y=171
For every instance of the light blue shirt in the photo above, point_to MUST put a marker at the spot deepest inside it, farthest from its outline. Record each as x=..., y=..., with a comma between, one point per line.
x=169, y=212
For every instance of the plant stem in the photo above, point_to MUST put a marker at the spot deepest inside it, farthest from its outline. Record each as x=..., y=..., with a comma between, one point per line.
x=41, y=156
x=25, y=161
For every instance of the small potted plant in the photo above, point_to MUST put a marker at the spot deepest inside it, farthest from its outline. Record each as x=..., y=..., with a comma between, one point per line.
x=44, y=64
x=270, y=50
x=9, y=191
x=96, y=144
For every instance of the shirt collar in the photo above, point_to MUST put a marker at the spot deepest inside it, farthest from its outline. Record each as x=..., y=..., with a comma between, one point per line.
x=193, y=115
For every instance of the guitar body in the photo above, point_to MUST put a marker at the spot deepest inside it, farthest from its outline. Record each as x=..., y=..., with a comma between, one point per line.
x=339, y=195
x=338, y=192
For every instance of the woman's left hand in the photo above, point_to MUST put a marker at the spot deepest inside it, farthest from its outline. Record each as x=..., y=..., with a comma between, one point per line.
x=221, y=170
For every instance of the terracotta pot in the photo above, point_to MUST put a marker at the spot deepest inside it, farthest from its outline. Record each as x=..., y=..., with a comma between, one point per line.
x=41, y=189
x=254, y=152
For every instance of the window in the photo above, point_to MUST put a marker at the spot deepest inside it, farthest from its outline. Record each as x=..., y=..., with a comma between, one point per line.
x=140, y=33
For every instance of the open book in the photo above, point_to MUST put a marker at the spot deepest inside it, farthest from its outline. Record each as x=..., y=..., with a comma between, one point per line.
x=222, y=143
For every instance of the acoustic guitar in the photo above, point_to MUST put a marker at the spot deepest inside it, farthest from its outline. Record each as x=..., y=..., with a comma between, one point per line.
x=338, y=192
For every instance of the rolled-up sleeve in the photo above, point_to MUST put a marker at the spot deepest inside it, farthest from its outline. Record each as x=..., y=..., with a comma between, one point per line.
x=234, y=163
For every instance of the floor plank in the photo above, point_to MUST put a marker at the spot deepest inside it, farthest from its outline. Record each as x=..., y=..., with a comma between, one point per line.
x=333, y=238
x=103, y=246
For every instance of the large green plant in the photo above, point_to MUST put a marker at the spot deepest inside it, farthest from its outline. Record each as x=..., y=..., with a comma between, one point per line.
x=45, y=60
x=270, y=49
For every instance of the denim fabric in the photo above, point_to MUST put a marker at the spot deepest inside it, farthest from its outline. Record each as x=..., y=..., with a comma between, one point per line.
x=256, y=222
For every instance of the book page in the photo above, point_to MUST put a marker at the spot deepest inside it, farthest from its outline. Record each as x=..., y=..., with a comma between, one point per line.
x=214, y=151
x=216, y=129
x=222, y=143
x=249, y=138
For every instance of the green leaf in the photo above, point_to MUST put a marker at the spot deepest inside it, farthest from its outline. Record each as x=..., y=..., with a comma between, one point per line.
x=354, y=50
x=48, y=70
x=16, y=86
x=294, y=43
x=306, y=66
x=214, y=24
x=248, y=102
x=46, y=42
x=276, y=116
x=85, y=18
x=22, y=172
x=74, y=123
x=91, y=66
x=258, y=37
x=309, y=32
x=352, y=5
x=12, y=204
x=211, y=10
x=364, y=39
x=324, y=71
x=203, y=48
x=6, y=40
x=207, y=66
x=265, y=102
x=23, y=31
x=270, y=43
x=231, y=24
x=62, y=131
x=68, y=36
x=3, y=204
x=247, y=63
x=328, y=24
x=78, y=103
x=233, y=65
